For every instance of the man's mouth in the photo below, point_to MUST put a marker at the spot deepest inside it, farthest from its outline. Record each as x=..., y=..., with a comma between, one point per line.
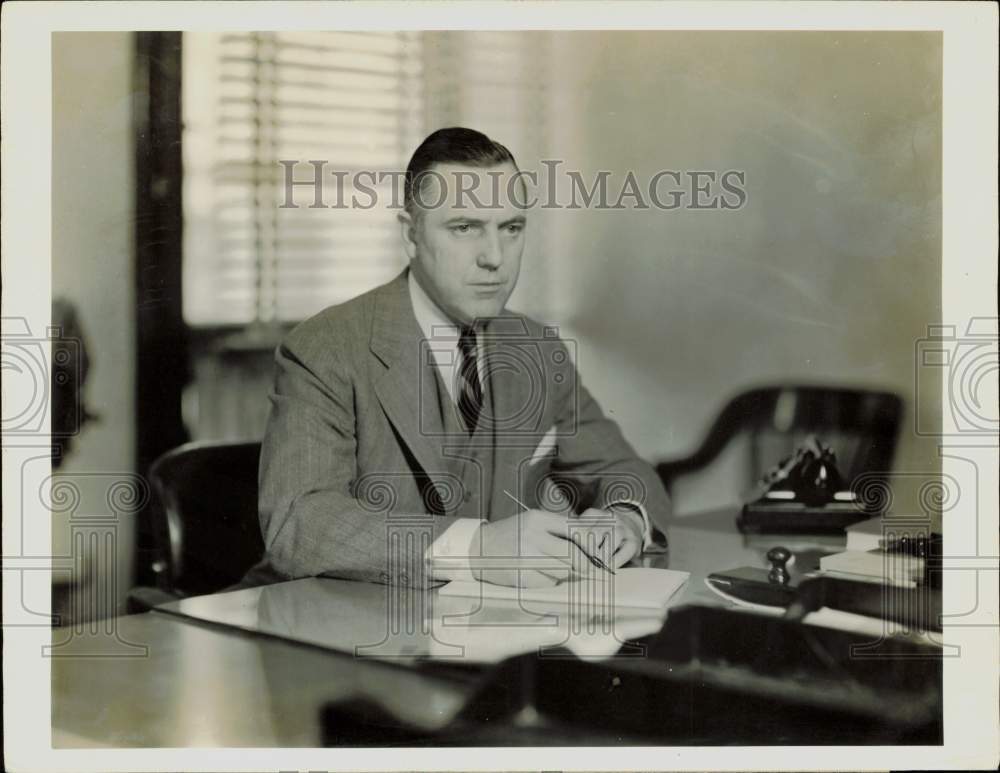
x=487, y=289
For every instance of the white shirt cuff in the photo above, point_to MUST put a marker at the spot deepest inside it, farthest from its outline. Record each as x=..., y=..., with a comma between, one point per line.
x=448, y=556
x=647, y=529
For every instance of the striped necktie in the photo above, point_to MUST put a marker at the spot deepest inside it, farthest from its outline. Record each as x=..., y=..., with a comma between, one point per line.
x=470, y=390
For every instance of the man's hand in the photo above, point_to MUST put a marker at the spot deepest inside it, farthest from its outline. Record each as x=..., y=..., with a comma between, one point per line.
x=537, y=540
x=616, y=534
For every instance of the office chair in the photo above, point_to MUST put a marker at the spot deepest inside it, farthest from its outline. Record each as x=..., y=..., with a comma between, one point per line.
x=861, y=426
x=208, y=534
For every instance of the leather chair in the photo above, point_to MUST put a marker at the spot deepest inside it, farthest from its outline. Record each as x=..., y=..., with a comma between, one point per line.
x=207, y=533
x=861, y=426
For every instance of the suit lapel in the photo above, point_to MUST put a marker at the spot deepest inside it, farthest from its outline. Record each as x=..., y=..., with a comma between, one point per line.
x=404, y=380
x=405, y=384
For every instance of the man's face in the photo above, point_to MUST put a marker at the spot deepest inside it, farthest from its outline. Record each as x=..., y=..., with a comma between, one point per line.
x=465, y=249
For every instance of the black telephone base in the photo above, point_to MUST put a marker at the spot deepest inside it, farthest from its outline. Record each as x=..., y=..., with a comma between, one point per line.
x=765, y=517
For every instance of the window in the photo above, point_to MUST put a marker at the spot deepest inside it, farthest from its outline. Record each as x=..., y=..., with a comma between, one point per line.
x=354, y=100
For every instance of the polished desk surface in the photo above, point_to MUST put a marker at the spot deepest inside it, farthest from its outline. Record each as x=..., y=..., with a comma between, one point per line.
x=165, y=679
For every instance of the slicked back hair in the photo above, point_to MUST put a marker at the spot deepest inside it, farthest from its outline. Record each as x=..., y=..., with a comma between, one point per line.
x=453, y=145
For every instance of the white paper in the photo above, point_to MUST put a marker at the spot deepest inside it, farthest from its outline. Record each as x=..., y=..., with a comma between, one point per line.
x=637, y=587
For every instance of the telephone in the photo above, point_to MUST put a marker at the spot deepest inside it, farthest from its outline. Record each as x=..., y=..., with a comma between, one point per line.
x=804, y=493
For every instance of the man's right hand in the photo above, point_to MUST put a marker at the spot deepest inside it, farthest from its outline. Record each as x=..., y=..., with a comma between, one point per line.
x=540, y=537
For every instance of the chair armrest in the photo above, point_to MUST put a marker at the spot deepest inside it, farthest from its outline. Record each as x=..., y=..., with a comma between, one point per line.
x=672, y=469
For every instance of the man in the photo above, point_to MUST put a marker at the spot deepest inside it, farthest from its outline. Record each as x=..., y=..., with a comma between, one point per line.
x=425, y=404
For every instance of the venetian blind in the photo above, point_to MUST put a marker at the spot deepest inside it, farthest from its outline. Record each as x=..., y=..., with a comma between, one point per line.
x=352, y=100
x=358, y=101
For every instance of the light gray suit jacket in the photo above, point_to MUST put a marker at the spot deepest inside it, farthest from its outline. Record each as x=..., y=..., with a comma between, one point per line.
x=354, y=444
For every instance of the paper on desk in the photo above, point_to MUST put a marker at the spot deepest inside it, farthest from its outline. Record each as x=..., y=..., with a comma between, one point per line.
x=637, y=587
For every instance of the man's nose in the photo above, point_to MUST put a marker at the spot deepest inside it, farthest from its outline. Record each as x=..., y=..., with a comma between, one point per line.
x=490, y=255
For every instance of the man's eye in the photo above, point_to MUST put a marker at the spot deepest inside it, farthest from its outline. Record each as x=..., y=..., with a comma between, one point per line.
x=462, y=228
x=515, y=228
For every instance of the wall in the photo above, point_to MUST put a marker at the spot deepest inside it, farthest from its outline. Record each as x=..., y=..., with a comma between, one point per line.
x=829, y=273
x=92, y=266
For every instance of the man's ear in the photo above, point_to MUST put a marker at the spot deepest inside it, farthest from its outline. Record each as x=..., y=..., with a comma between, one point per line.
x=408, y=230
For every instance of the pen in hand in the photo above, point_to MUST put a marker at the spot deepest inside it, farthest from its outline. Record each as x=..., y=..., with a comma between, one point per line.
x=593, y=559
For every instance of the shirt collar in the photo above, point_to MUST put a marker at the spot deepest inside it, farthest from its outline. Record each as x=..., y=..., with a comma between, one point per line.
x=441, y=333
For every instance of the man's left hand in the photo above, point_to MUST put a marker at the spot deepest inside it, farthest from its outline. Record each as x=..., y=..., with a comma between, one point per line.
x=618, y=541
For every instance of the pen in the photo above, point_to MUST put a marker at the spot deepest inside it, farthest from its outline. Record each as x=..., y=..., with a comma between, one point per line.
x=593, y=559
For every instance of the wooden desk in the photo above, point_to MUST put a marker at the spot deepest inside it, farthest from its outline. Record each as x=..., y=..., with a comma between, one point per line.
x=202, y=685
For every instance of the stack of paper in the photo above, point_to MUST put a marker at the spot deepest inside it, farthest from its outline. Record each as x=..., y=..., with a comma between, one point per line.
x=879, y=532
x=875, y=565
x=632, y=588
x=865, y=535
